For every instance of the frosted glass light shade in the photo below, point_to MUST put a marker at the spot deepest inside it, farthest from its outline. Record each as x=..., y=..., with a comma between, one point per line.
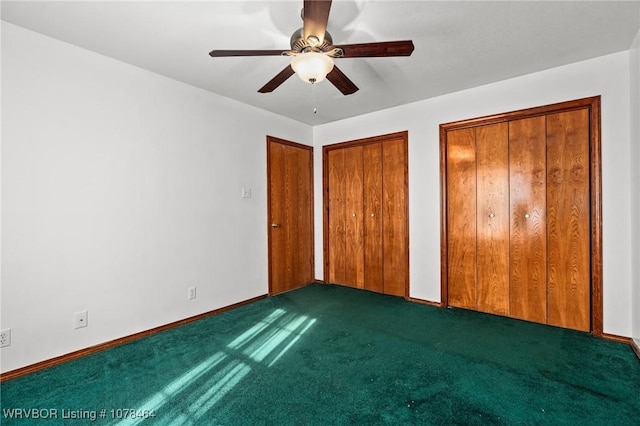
x=312, y=67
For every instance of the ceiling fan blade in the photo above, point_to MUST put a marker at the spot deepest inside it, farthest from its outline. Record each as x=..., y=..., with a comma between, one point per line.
x=377, y=49
x=341, y=81
x=277, y=80
x=315, y=17
x=222, y=53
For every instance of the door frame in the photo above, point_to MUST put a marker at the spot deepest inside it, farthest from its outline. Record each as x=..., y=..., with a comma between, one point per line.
x=325, y=193
x=309, y=148
x=595, y=174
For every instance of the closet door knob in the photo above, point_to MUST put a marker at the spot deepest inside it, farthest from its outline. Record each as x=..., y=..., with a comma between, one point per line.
x=275, y=225
x=373, y=214
x=492, y=215
x=527, y=216
x=354, y=215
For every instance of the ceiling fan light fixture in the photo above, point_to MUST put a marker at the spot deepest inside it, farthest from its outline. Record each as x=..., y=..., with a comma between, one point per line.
x=312, y=67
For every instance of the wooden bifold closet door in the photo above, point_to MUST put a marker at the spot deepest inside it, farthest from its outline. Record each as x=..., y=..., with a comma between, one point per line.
x=521, y=202
x=366, y=219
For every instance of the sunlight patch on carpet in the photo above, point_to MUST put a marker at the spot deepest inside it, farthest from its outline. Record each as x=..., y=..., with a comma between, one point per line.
x=256, y=329
x=278, y=336
x=278, y=330
x=178, y=385
x=298, y=335
x=266, y=341
x=218, y=387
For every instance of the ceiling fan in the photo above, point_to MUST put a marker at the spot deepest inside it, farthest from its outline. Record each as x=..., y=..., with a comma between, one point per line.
x=312, y=51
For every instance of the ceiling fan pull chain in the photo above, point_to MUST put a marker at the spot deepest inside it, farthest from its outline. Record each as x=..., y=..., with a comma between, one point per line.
x=313, y=95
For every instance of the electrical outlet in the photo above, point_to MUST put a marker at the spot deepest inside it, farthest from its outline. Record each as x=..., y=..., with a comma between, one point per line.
x=192, y=293
x=81, y=319
x=5, y=337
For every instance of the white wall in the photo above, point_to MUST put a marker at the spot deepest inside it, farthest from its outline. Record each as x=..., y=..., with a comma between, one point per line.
x=635, y=184
x=120, y=189
x=607, y=76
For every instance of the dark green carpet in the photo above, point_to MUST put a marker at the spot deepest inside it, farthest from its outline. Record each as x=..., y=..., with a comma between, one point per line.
x=333, y=355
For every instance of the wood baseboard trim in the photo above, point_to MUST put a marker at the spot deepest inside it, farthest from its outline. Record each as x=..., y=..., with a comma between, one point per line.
x=13, y=374
x=635, y=348
x=616, y=338
x=425, y=302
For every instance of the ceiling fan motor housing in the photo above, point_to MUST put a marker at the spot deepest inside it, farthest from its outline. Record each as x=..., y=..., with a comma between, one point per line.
x=299, y=44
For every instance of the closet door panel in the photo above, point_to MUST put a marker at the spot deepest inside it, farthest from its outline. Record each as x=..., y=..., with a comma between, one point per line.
x=373, y=256
x=528, y=249
x=568, y=219
x=337, y=248
x=461, y=218
x=395, y=217
x=354, y=264
x=492, y=218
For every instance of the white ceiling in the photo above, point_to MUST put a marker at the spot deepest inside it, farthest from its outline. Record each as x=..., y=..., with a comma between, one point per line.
x=458, y=45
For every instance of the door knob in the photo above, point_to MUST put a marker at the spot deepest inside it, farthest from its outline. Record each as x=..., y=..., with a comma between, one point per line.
x=275, y=225
x=527, y=216
x=492, y=215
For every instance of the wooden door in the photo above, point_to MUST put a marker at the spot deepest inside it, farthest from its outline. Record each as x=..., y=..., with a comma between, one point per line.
x=372, y=217
x=290, y=214
x=528, y=212
x=346, y=254
x=337, y=250
x=540, y=236
x=395, y=244
x=478, y=222
x=492, y=218
x=366, y=214
x=568, y=219
x=461, y=237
